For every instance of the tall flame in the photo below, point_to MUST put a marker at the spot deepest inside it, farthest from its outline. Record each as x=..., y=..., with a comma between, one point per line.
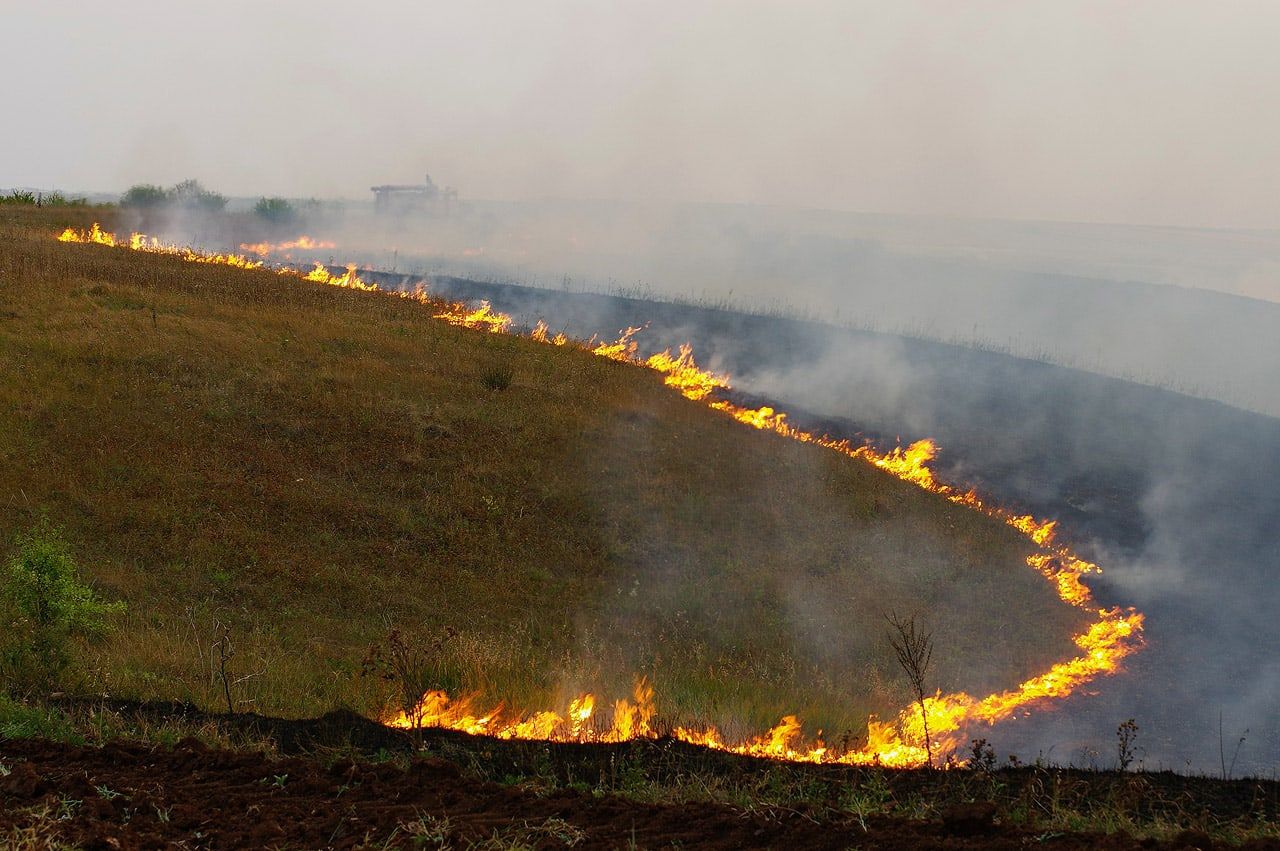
x=1114, y=634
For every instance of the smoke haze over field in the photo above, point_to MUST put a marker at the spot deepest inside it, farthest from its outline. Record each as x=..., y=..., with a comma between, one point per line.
x=1092, y=183
x=1151, y=112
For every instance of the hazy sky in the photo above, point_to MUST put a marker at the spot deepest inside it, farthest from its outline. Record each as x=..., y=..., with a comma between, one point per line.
x=1161, y=111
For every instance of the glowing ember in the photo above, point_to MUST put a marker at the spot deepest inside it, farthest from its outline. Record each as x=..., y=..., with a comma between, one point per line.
x=1113, y=635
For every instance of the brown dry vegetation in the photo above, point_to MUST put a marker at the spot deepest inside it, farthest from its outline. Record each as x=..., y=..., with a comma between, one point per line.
x=312, y=466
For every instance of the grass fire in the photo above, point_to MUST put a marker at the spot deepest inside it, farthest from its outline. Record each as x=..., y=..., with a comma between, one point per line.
x=592, y=546
x=639, y=426
x=1112, y=636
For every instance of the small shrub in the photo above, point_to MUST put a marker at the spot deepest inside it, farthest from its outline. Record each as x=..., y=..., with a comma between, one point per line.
x=983, y=757
x=1126, y=748
x=413, y=665
x=17, y=196
x=914, y=649
x=144, y=195
x=57, y=199
x=190, y=194
x=497, y=378
x=45, y=606
x=275, y=210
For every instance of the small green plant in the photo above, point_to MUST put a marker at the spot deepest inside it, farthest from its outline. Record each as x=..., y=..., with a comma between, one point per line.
x=67, y=807
x=45, y=606
x=870, y=798
x=427, y=831
x=497, y=378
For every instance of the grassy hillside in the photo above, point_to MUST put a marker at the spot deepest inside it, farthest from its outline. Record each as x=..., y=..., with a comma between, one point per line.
x=314, y=466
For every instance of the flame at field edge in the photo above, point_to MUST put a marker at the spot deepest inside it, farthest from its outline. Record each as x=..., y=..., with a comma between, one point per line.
x=1113, y=635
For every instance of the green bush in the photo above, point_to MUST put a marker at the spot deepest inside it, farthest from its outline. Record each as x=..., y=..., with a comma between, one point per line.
x=144, y=195
x=190, y=194
x=275, y=210
x=57, y=199
x=44, y=607
x=18, y=196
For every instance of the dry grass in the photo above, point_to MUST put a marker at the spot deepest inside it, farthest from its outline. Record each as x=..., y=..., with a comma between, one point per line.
x=313, y=466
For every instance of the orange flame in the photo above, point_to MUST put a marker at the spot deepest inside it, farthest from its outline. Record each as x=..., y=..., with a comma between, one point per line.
x=1115, y=633
x=95, y=235
x=302, y=243
x=630, y=720
x=540, y=334
x=482, y=318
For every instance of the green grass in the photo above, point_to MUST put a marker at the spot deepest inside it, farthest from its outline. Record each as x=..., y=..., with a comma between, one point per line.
x=22, y=198
x=313, y=466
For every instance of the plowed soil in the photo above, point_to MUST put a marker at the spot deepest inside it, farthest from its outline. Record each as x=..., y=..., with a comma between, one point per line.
x=139, y=796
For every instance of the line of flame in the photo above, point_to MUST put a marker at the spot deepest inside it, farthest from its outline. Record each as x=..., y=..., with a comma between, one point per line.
x=303, y=243
x=455, y=313
x=1113, y=635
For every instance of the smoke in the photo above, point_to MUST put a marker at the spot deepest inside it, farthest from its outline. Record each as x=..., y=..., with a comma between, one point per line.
x=1062, y=110
x=1158, y=307
x=1172, y=495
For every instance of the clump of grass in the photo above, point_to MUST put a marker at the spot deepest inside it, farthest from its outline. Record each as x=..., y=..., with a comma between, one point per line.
x=497, y=378
x=23, y=721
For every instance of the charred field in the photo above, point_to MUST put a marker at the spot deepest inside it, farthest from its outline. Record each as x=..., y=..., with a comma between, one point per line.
x=274, y=476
